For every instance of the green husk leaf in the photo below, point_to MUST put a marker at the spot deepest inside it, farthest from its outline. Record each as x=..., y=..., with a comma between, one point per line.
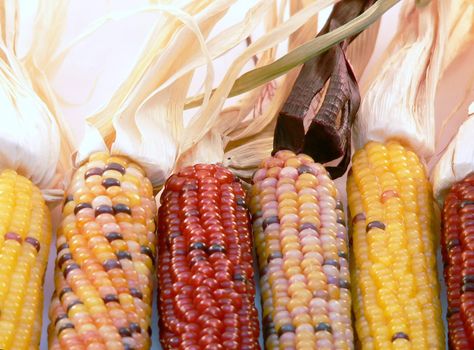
x=303, y=53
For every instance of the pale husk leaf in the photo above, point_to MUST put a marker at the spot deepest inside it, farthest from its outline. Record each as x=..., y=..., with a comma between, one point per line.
x=245, y=156
x=452, y=103
x=457, y=161
x=164, y=58
x=211, y=110
x=461, y=34
x=152, y=137
x=361, y=49
x=258, y=110
x=256, y=115
x=303, y=53
x=309, y=30
x=255, y=110
x=48, y=27
x=260, y=106
x=399, y=95
x=92, y=142
x=30, y=136
x=148, y=117
x=245, y=159
x=162, y=134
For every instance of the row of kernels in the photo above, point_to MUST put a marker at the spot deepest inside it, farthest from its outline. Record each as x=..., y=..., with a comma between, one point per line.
x=18, y=224
x=367, y=247
x=28, y=333
x=423, y=224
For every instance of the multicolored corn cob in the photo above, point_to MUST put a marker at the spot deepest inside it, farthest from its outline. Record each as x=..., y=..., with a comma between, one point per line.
x=205, y=264
x=393, y=264
x=458, y=254
x=105, y=261
x=301, y=241
x=25, y=235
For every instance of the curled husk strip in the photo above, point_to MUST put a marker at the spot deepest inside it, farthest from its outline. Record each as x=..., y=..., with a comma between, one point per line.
x=145, y=118
x=324, y=100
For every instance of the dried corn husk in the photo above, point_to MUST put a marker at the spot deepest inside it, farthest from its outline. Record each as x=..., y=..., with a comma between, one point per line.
x=257, y=109
x=399, y=95
x=47, y=30
x=228, y=125
x=361, y=49
x=458, y=71
x=144, y=117
x=146, y=120
x=303, y=53
x=461, y=34
x=316, y=118
x=141, y=120
x=245, y=155
x=457, y=161
x=32, y=136
x=29, y=136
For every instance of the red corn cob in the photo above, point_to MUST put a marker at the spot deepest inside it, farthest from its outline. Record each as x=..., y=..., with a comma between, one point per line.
x=458, y=255
x=205, y=275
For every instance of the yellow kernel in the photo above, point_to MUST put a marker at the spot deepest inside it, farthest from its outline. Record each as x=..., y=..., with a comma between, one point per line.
x=293, y=162
x=119, y=160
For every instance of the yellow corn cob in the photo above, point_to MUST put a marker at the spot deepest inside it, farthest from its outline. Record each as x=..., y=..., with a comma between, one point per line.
x=393, y=261
x=25, y=235
x=301, y=241
x=105, y=262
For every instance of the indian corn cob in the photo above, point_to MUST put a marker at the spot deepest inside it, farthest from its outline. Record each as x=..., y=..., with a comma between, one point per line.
x=205, y=263
x=25, y=234
x=302, y=249
x=458, y=255
x=393, y=264
x=105, y=261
